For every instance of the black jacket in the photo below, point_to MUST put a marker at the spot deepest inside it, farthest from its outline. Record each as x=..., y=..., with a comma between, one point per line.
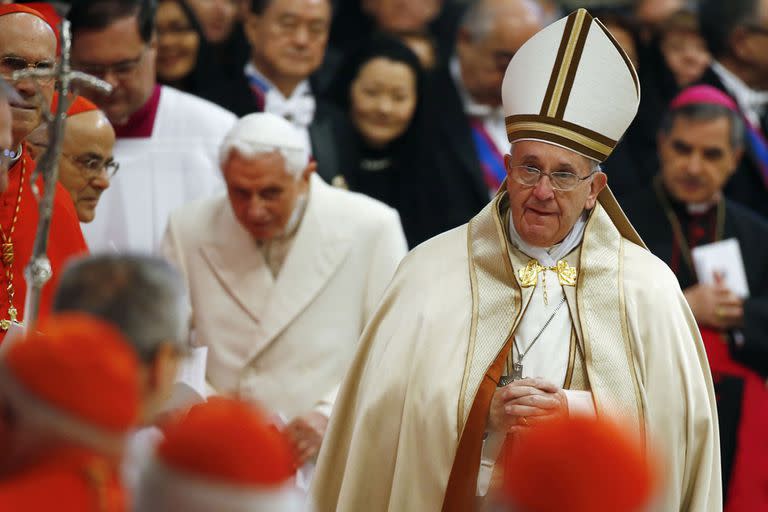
x=457, y=189
x=751, y=230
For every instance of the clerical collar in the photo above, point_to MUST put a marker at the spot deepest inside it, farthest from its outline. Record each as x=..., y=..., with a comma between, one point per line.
x=751, y=102
x=549, y=256
x=471, y=107
x=142, y=122
x=691, y=208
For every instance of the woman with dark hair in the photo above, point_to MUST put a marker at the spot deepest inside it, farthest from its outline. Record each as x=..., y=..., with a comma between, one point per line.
x=184, y=58
x=380, y=87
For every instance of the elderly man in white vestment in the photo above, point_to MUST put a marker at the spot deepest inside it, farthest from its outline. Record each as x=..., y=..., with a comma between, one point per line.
x=546, y=303
x=284, y=272
x=167, y=140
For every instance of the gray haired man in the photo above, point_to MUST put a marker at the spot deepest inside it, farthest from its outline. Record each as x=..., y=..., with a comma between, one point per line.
x=144, y=297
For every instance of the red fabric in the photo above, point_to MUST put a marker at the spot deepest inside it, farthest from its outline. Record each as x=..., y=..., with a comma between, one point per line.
x=64, y=242
x=68, y=480
x=749, y=477
x=577, y=464
x=79, y=105
x=142, y=122
x=228, y=441
x=17, y=8
x=81, y=366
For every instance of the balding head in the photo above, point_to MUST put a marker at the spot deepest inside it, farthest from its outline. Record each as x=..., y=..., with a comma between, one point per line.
x=490, y=34
x=27, y=40
x=86, y=155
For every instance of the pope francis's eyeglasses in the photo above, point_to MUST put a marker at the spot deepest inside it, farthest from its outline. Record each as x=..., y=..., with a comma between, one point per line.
x=560, y=180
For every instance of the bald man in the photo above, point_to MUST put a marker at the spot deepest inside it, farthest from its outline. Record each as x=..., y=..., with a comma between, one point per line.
x=28, y=41
x=86, y=163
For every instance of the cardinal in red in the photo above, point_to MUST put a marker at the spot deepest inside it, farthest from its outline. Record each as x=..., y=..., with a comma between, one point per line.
x=27, y=40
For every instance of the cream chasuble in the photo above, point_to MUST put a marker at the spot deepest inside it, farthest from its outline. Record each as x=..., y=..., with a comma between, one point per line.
x=423, y=361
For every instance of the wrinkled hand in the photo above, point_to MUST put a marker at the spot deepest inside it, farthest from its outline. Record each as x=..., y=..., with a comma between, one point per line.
x=525, y=403
x=306, y=432
x=715, y=305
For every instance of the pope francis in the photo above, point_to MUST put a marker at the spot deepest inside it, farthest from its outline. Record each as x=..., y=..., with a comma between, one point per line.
x=546, y=303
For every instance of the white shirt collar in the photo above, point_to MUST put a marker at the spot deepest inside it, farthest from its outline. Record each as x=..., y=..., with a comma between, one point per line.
x=753, y=103
x=549, y=256
x=299, y=108
x=471, y=107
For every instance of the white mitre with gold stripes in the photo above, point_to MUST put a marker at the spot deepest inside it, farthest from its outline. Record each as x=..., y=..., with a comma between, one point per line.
x=572, y=85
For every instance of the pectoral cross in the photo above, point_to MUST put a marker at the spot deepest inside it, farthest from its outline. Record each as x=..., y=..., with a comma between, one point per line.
x=517, y=374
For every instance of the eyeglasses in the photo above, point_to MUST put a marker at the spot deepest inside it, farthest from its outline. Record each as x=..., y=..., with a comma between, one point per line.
x=560, y=180
x=11, y=63
x=122, y=70
x=91, y=167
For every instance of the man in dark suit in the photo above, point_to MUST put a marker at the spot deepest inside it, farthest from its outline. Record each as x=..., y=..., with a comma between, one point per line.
x=700, y=144
x=737, y=34
x=288, y=43
x=467, y=134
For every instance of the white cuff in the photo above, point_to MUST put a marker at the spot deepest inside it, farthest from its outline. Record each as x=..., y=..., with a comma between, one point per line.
x=580, y=403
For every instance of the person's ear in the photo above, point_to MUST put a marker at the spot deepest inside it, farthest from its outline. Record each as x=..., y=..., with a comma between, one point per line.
x=736, y=157
x=311, y=168
x=464, y=42
x=251, y=27
x=737, y=43
x=599, y=181
x=306, y=174
x=163, y=366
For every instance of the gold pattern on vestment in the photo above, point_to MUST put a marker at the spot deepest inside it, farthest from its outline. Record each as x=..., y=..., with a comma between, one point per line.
x=9, y=255
x=566, y=275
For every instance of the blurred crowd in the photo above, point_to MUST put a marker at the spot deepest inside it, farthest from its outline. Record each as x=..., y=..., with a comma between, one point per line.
x=254, y=178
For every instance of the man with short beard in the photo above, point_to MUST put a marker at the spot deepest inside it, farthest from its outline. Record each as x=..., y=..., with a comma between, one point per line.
x=26, y=40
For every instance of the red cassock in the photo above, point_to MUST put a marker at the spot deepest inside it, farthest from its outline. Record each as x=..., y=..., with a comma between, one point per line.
x=67, y=480
x=748, y=487
x=64, y=242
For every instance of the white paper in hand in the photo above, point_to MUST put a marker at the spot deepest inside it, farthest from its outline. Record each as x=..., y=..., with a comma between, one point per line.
x=724, y=258
x=189, y=388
